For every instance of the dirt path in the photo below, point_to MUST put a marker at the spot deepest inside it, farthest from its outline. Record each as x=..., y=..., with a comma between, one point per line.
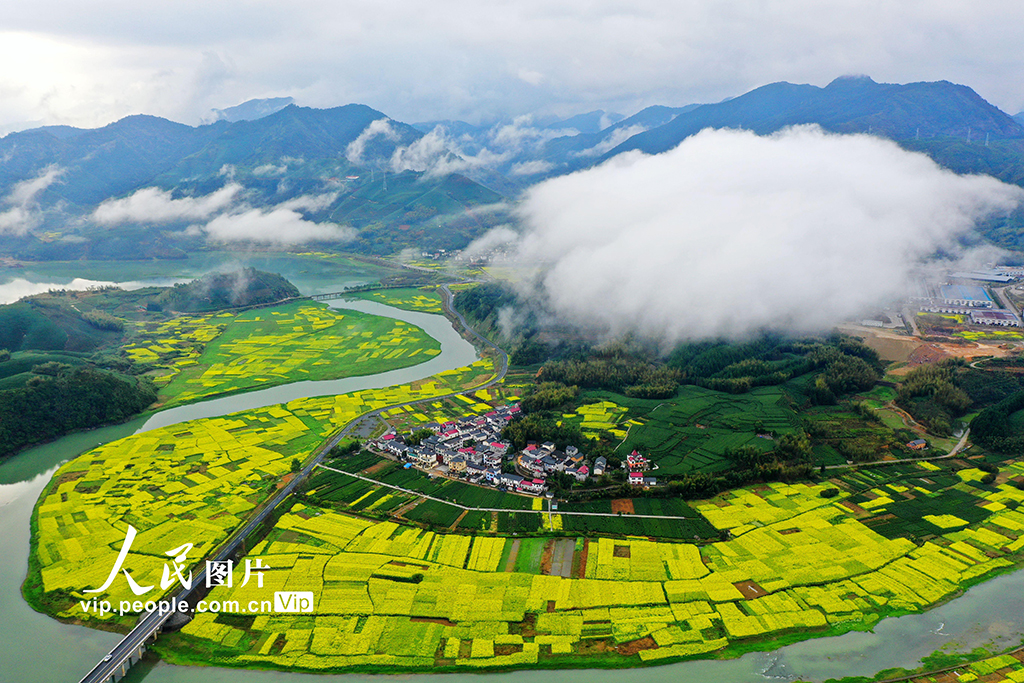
x=457, y=520
x=579, y=564
x=408, y=506
x=562, y=553
x=513, y=554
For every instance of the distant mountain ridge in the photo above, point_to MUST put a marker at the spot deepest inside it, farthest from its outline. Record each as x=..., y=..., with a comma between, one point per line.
x=252, y=109
x=346, y=157
x=846, y=105
x=291, y=152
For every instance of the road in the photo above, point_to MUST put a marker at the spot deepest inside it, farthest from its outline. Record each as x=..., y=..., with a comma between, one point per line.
x=910, y=318
x=953, y=451
x=420, y=494
x=151, y=622
x=1005, y=302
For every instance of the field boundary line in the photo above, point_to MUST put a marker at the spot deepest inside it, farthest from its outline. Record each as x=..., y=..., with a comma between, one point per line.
x=468, y=508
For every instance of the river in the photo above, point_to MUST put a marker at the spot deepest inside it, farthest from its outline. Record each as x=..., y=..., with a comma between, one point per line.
x=37, y=649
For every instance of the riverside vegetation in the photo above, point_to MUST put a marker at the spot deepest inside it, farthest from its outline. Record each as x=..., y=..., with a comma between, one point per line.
x=405, y=583
x=75, y=360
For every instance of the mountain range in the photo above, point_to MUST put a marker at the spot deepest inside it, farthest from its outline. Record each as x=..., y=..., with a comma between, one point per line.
x=418, y=185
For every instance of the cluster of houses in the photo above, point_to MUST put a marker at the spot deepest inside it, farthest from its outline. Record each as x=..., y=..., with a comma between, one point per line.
x=472, y=447
x=470, y=444
x=636, y=464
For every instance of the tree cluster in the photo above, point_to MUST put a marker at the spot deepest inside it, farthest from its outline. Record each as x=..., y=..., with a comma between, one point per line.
x=549, y=396
x=992, y=428
x=931, y=394
x=52, y=404
x=536, y=427
x=620, y=373
x=103, y=321
x=245, y=287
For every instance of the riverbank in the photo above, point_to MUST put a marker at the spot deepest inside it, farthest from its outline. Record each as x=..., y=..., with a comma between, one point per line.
x=205, y=675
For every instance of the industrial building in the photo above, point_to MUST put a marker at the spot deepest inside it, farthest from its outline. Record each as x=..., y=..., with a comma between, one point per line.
x=965, y=295
x=1000, y=318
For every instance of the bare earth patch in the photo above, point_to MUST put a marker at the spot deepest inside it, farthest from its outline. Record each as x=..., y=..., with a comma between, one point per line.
x=634, y=646
x=579, y=566
x=623, y=505
x=377, y=467
x=545, y=558
x=750, y=589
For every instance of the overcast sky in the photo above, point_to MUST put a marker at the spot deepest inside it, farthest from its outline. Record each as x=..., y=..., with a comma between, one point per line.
x=87, y=64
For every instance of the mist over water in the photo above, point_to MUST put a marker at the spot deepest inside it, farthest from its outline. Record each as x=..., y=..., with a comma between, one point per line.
x=731, y=233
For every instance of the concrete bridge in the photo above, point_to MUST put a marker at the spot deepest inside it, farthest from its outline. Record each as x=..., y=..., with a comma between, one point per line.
x=330, y=295
x=130, y=650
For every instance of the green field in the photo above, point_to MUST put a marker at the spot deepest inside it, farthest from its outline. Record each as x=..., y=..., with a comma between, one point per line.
x=210, y=473
x=333, y=488
x=690, y=432
x=393, y=597
x=227, y=352
x=337, y=491
x=423, y=299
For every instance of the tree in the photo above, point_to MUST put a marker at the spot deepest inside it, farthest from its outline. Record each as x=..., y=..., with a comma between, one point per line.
x=794, y=445
x=296, y=464
x=417, y=437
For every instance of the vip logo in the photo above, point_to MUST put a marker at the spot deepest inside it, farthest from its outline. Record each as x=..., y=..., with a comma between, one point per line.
x=293, y=601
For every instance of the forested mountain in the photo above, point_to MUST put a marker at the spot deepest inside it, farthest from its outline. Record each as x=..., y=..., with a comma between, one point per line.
x=342, y=157
x=930, y=111
x=400, y=186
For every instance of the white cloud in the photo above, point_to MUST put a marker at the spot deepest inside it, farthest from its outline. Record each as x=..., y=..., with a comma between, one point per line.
x=521, y=134
x=270, y=170
x=23, y=214
x=530, y=76
x=90, y=63
x=437, y=154
x=495, y=237
x=379, y=128
x=153, y=205
x=610, y=142
x=279, y=226
x=20, y=287
x=730, y=233
x=222, y=216
x=525, y=168
x=309, y=202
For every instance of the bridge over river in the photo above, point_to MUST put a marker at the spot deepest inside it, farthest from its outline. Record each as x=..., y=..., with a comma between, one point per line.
x=133, y=646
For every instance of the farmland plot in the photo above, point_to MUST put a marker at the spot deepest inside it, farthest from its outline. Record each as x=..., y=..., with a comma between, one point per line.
x=392, y=597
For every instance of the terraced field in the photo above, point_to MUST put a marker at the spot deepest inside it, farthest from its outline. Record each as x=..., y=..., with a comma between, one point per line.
x=398, y=597
x=690, y=432
x=227, y=352
x=603, y=416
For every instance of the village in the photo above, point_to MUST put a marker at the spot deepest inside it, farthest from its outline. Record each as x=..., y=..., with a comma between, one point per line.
x=471, y=448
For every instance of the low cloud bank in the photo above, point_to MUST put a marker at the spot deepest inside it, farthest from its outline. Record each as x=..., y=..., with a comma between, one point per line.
x=23, y=213
x=153, y=205
x=379, y=128
x=273, y=226
x=224, y=216
x=731, y=233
